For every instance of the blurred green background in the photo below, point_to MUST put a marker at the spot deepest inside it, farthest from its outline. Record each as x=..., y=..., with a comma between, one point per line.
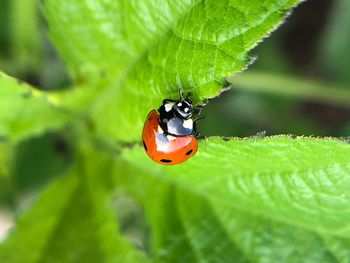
x=313, y=45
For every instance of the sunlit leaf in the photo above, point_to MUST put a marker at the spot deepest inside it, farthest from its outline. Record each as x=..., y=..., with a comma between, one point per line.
x=143, y=51
x=6, y=180
x=264, y=200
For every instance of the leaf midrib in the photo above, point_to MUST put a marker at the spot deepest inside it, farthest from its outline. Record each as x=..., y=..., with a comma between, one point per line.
x=188, y=237
x=331, y=251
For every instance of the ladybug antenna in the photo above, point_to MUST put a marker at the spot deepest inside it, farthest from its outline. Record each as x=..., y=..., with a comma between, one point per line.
x=181, y=90
x=189, y=95
x=198, y=109
x=181, y=93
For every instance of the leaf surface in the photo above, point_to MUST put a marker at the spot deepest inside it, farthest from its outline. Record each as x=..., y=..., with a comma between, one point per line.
x=142, y=52
x=6, y=179
x=258, y=200
x=304, y=181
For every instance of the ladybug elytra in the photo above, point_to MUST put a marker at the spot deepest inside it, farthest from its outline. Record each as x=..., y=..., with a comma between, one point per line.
x=169, y=134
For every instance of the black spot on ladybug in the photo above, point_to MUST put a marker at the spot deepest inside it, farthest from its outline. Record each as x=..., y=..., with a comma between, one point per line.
x=189, y=152
x=144, y=145
x=166, y=161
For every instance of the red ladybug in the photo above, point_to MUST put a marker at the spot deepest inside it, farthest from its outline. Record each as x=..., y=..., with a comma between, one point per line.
x=169, y=134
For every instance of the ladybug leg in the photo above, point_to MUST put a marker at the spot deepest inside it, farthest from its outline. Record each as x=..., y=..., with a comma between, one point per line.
x=204, y=102
x=189, y=95
x=260, y=135
x=181, y=90
x=199, y=118
x=199, y=136
x=197, y=111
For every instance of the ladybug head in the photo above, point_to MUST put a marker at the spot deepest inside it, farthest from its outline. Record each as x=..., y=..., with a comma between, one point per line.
x=184, y=108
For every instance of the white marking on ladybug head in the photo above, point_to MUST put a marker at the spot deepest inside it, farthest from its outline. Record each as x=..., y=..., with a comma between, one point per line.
x=168, y=106
x=160, y=130
x=179, y=104
x=188, y=124
x=186, y=109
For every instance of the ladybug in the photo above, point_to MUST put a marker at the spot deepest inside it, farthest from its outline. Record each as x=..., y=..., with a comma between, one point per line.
x=169, y=134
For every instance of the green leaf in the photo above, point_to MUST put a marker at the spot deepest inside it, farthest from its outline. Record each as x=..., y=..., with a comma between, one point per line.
x=29, y=164
x=262, y=200
x=339, y=247
x=26, y=42
x=304, y=181
x=146, y=50
x=6, y=179
x=73, y=220
x=34, y=228
x=26, y=111
x=40, y=160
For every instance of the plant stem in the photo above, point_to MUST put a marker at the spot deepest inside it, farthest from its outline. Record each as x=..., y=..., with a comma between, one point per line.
x=291, y=86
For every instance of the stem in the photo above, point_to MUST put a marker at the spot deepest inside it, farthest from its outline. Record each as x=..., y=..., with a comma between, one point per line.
x=298, y=87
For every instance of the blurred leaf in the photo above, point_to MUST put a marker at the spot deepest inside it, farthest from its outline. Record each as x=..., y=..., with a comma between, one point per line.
x=4, y=30
x=335, y=50
x=26, y=111
x=26, y=45
x=73, y=221
x=144, y=51
x=36, y=227
x=339, y=247
x=303, y=88
x=262, y=200
x=39, y=160
x=6, y=180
